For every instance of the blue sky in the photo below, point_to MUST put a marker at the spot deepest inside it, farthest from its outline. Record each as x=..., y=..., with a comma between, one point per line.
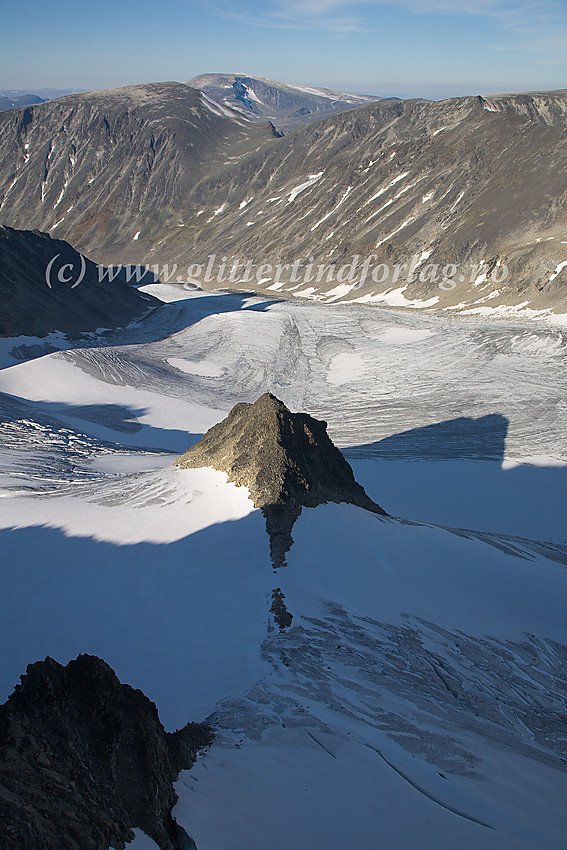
x=428, y=48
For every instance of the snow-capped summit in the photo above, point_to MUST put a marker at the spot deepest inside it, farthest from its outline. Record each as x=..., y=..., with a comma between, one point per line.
x=288, y=106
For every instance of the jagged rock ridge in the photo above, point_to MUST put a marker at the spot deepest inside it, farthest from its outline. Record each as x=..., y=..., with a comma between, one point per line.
x=286, y=460
x=84, y=759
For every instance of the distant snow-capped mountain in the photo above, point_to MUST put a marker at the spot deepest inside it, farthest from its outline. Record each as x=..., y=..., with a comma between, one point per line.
x=286, y=105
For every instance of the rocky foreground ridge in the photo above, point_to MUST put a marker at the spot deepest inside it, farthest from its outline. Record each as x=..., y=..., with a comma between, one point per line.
x=84, y=759
x=286, y=460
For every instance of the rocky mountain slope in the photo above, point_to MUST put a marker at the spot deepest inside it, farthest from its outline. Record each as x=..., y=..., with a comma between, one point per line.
x=46, y=286
x=85, y=759
x=287, y=106
x=286, y=460
x=449, y=185
x=100, y=168
x=458, y=204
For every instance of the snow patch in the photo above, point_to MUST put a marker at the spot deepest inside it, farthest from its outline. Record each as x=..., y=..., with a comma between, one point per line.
x=329, y=214
x=308, y=292
x=396, y=298
x=339, y=291
x=345, y=368
x=61, y=193
x=558, y=270
x=204, y=368
x=310, y=90
x=488, y=106
x=218, y=109
x=385, y=188
x=397, y=230
x=141, y=841
x=311, y=180
x=399, y=335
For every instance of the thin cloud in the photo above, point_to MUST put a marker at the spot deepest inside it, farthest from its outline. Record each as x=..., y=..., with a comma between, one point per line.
x=292, y=16
x=543, y=18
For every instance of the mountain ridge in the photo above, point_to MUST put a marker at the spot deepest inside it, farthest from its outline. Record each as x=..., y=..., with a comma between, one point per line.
x=174, y=180
x=133, y=148
x=17, y=101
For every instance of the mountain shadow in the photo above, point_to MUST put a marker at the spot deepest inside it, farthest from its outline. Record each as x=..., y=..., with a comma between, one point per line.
x=46, y=286
x=112, y=426
x=162, y=321
x=499, y=497
x=482, y=439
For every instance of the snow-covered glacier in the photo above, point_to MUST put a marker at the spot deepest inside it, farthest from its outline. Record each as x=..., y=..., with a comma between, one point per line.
x=418, y=697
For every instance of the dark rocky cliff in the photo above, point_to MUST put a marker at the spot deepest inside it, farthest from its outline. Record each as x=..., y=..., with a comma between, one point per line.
x=45, y=286
x=84, y=759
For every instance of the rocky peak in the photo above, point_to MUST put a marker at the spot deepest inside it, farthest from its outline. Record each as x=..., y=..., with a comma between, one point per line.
x=286, y=460
x=84, y=759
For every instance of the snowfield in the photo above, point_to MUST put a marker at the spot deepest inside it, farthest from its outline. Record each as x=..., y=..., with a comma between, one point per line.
x=419, y=697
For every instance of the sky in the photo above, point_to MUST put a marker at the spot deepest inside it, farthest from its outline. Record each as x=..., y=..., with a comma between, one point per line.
x=411, y=48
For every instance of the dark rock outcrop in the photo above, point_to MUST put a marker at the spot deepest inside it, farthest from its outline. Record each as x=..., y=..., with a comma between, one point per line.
x=84, y=759
x=286, y=460
x=45, y=286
